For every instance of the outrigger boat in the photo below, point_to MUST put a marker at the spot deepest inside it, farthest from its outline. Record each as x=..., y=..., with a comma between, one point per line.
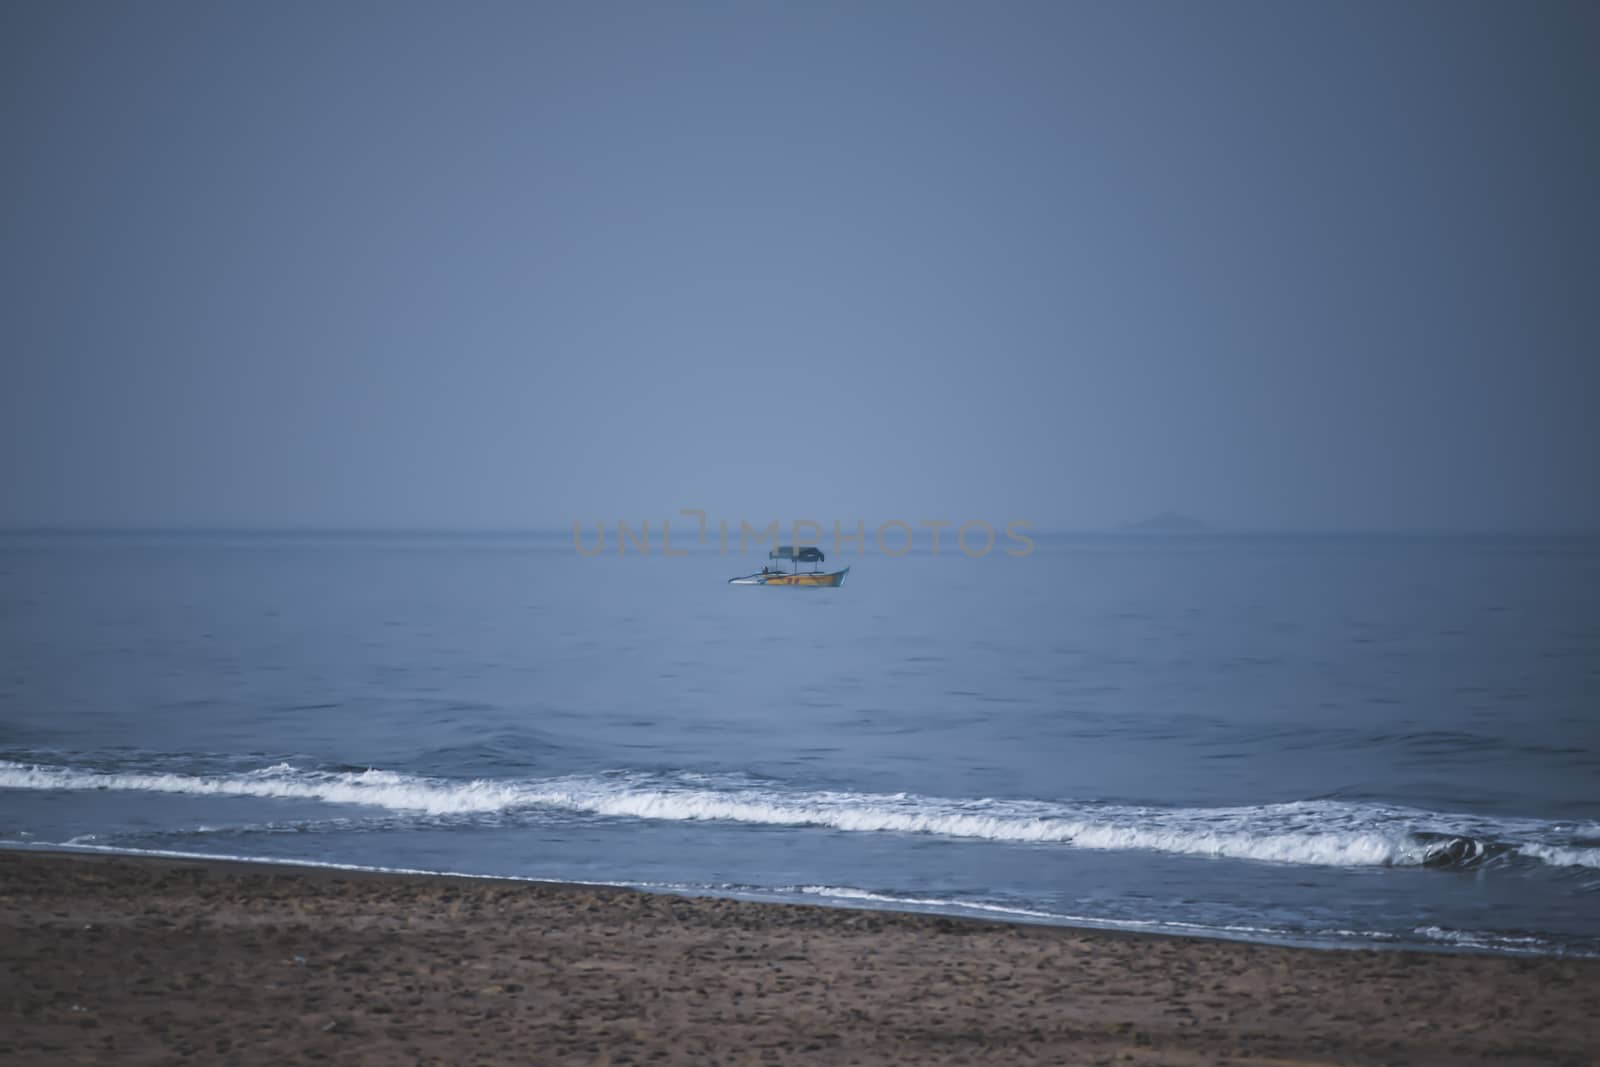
x=804, y=554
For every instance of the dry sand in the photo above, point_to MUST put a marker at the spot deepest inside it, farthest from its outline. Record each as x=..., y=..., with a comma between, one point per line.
x=157, y=961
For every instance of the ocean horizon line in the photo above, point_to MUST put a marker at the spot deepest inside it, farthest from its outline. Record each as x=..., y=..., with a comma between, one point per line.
x=1065, y=531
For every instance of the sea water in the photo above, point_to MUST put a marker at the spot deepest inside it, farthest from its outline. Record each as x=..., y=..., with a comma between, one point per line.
x=1332, y=740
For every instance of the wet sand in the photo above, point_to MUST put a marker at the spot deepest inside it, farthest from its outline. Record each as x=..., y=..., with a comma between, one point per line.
x=109, y=959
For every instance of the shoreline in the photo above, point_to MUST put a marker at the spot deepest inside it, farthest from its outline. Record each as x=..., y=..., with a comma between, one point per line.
x=313, y=869
x=887, y=905
x=115, y=957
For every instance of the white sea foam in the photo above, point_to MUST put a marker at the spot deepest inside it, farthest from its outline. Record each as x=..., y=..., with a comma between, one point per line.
x=1310, y=833
x=849, y=893
x=1473, y=940
x=384, y=789
x=1494, y=942
x=1252, y=833
x=1558, y=856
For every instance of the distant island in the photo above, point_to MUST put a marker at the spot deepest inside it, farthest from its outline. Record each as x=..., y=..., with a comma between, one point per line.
x=1167, y=522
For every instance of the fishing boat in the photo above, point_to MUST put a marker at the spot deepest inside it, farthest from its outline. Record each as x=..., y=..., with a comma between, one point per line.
x=803, y=554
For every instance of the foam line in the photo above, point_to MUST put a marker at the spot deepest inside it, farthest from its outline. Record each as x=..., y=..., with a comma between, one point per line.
x=1307, y=833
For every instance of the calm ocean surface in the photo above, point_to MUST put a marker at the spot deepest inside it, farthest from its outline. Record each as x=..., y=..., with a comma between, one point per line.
x=1343, y=741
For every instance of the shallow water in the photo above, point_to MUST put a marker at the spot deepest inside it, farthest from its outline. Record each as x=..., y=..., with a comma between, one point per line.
x=1329, y=740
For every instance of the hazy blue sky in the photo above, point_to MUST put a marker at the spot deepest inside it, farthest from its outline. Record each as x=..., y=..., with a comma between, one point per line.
x=360, y=264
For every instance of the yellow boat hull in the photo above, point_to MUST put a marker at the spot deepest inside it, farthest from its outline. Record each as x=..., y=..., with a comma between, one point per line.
x=836, y=578
x=812, y=580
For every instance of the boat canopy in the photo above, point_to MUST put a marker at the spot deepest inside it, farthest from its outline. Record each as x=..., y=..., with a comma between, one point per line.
x=803, y=554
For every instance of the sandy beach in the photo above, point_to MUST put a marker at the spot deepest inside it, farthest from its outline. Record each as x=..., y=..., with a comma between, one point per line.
x=134, y=960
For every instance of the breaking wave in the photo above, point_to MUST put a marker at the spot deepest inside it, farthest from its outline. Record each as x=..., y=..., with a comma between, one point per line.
x=1323, y=833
